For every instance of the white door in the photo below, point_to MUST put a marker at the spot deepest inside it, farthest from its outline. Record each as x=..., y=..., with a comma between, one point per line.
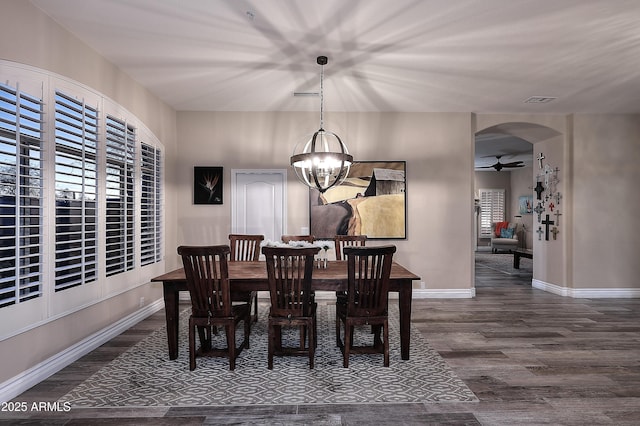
x=258, y=203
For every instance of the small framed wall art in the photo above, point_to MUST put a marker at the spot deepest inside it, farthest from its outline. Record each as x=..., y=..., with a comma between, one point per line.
x=207, y=185
x=526, y=204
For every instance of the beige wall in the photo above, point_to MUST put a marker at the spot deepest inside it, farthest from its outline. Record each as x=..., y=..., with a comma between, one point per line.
x=437, y=148
x=45, y=45
x=606, y=175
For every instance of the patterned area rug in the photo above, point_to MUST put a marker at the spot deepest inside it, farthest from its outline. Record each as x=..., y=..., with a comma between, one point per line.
x=503, y=262
x=144, y=375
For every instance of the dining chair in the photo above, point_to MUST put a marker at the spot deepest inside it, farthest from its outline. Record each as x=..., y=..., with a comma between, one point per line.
x=288, y=238
x=367, y=300
x=246, y=248
x=289, y=271
x=207, y=275
x=342, y=241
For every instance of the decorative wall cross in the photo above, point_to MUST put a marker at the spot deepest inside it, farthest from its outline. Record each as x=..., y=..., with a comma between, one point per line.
x=554, y=231
x=551, y=206
x=546, y=224
x=539, y=209
x=540, y=232
x=557, y=214
x=540, y=158
x=558, y=198
x=539, y=188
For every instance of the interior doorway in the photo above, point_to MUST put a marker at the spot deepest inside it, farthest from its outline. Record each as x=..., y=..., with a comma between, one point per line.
x=259, y=204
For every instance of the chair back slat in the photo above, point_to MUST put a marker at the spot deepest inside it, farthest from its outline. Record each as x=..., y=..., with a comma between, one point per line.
x=342, y=241
x=289, y=272
x=245, y=247
x=207, y=277
x=288, y=238
x=368, y=272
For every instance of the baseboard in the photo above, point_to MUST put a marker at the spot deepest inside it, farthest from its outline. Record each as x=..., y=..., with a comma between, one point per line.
x=31, y=377
x=587, y=293
x=439, y=293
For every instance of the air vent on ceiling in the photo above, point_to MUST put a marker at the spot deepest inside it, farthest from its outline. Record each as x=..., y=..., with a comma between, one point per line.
x=540, y=99
x=306, y=94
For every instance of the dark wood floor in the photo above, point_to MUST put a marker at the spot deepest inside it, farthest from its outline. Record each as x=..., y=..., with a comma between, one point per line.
x=531, y=358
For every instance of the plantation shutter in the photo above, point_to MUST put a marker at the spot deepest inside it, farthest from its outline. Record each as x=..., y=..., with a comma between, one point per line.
x=21, y=240
x=151, y=202
x=120, y=176
x=492, y=209
x=76, y=136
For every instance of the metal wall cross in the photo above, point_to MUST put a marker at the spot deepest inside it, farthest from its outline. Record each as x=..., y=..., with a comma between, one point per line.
x=557, y=214
x=546, y=224
x=554, y=231
x=540, y=158
x=540, y=232
x=539, y=209
x=539, y=188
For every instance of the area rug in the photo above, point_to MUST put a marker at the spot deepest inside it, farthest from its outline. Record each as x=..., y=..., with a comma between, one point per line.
x=503, y=262
x=144, y=375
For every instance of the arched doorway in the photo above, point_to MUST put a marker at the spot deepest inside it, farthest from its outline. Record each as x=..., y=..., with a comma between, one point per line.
x=505, y=159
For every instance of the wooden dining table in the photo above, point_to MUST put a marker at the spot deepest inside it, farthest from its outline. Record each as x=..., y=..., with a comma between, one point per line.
x=252, y=276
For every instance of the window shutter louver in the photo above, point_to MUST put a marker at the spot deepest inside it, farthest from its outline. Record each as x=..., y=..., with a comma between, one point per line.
x=120, y=178
x=492, y=204
x=151, y=203
x=76, y=144
x=21, y=236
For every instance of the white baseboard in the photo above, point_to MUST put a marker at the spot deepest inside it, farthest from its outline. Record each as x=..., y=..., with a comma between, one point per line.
x=34, y=375
x=587, y=293
x=440, y=293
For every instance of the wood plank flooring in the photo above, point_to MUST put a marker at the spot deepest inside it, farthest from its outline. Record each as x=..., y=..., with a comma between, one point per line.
x=531, y=357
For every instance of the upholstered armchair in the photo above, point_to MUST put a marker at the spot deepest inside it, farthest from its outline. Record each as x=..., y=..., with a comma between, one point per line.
x=504, y=236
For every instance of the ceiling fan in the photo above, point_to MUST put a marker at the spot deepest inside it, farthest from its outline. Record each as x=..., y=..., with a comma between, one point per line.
x=499, y=166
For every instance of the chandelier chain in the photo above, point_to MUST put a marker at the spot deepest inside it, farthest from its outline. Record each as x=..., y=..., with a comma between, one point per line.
x=322, y=97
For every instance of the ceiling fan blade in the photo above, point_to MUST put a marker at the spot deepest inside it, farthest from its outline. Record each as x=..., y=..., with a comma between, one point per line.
x=514, y=164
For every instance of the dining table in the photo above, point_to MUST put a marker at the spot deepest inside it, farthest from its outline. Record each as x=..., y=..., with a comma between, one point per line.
x=252, y=276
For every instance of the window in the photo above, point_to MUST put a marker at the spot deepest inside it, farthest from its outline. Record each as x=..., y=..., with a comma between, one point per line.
x=76, y=138
x=21, y=241
x=120, y=159
x=151, y=203
x=491, y=209
x=80, y=198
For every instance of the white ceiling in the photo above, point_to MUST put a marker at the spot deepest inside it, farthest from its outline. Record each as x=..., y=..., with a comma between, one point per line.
x=479, y=56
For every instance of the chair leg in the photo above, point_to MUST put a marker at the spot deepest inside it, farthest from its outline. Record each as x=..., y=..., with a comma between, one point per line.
x=192, y=346
x=247, y=331
x=312, y=348
x=303, y=336
x=348, y=337
x=386, y=343
x=255, y=308
x=231, y=345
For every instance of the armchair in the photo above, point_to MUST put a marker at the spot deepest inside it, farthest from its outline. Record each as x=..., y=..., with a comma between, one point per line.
x=504, y=236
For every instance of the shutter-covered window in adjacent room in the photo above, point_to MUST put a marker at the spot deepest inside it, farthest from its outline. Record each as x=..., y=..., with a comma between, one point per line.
x=76, y=143
x=21, y=240
x=151, y=203
x=120, y=156
x=492, y=205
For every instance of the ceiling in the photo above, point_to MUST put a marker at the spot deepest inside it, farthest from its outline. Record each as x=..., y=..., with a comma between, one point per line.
x=403, y=55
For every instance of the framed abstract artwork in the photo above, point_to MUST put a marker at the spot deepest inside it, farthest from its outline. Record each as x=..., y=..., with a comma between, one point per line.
x=371, y=201
x=207, y=185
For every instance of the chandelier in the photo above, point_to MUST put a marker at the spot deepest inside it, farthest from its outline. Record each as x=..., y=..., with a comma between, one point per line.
x=323, y=161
